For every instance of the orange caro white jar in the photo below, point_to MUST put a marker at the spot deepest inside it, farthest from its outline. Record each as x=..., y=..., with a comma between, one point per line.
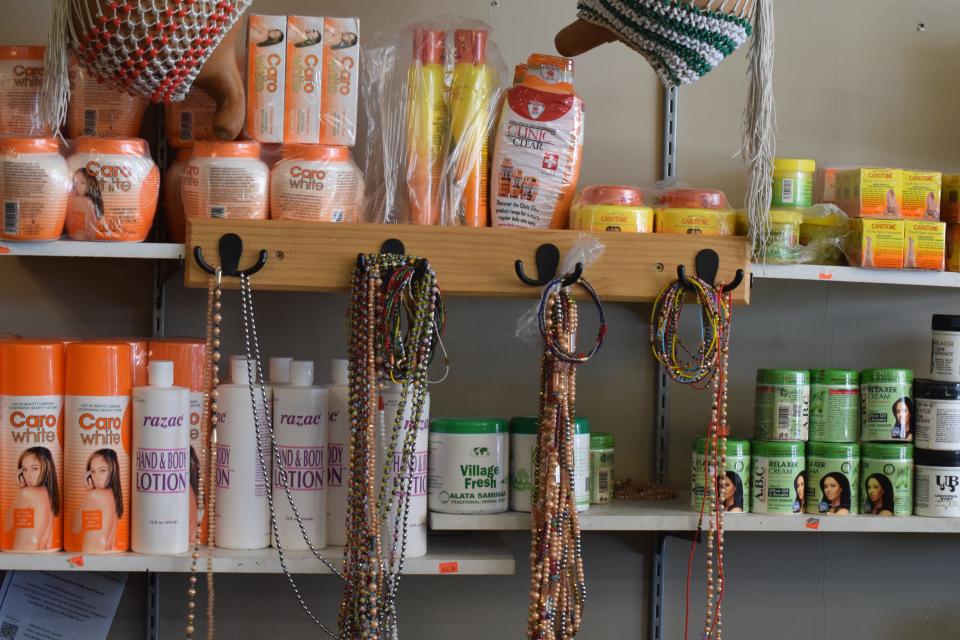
x=173, y=198
x=21, y=79
x=316, y=183
x=115, y=188
x=191, y=119
x=225, y=180
x=98, y=109
x=34, y=184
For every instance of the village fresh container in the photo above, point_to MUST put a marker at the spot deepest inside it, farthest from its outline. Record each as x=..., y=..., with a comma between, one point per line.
x=467, y=465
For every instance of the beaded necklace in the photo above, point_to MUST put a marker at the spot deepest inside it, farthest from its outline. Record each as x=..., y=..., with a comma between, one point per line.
x=557, y=585
x=393, y=329
x=211, y=410
x=708, y=364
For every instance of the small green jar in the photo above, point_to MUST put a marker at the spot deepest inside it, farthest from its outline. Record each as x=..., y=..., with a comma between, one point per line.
x=779, y=479
x=886, y=476
x=834, y=405
x=737, y=483
x=782, y=405
x=602, y=474
x=886, y=405
x=832, y=478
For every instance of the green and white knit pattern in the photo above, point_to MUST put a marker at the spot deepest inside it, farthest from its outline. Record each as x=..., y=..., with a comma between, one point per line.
x=680, y=40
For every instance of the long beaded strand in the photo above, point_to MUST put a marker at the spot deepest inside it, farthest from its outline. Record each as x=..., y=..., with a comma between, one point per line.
x=557, y=585
x=379, y=349
x=706, y=364
x=210, y=412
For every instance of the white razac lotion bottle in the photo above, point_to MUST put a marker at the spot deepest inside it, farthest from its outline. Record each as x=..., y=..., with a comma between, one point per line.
x=416, y=529
x=338, y=449
x=300, y=424
x=242, y=510
x=160, y=522
x=278, y=369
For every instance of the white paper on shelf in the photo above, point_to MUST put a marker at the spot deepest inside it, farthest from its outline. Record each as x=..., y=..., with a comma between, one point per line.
x=53, y=605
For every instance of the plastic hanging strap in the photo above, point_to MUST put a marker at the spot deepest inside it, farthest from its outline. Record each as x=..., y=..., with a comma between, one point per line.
x=586, y=250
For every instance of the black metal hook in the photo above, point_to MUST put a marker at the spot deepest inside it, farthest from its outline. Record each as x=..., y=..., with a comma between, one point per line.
x=390, y=245
x=231, y=248
x=707, y=264
x=548, y=261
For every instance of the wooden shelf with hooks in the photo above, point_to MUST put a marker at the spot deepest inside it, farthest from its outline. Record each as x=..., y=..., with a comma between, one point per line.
x=307, y=256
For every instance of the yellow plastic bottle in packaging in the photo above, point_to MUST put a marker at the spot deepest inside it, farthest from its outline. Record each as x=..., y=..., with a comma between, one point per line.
x=470, y=96
x=426, y=126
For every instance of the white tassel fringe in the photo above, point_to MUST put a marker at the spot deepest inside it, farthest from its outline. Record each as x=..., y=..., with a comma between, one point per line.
x=759, y=129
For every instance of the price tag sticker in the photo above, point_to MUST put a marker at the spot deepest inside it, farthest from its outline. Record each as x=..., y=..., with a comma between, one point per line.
x=825, y=275
x=813, y=523
x=449, y=567
x=76, y=561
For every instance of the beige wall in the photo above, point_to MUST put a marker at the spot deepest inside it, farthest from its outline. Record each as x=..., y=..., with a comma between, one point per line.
x=855, y=82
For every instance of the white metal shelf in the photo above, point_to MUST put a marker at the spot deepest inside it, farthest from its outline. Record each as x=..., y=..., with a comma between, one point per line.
x=471, y=554
x=676, y=515
x=826, y=273
x=76, y=249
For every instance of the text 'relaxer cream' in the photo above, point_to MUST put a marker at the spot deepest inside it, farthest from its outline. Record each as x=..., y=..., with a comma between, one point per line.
x=225, y=180
x=96, y=448
x=115, y=190
x=341, y=77
x=266, y=76
x=34, y=186
x=304, y=82
x=189, y=359
x=21, y=80
x=31, y=450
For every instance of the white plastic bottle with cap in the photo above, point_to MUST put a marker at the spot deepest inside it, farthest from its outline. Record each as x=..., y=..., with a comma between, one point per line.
x=162, y=476
x=242, y=511
x=338, y=448
x=279, y=370
x=417, y=511
x=300, y=423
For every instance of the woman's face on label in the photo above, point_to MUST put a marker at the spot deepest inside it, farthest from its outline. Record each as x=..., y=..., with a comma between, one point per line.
x=874, y=490
x=79, y=183
x=801, y=486
x=31, y=469
x=902, y=413
x=726, y=487
x=831, y=489
x=100, y=472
